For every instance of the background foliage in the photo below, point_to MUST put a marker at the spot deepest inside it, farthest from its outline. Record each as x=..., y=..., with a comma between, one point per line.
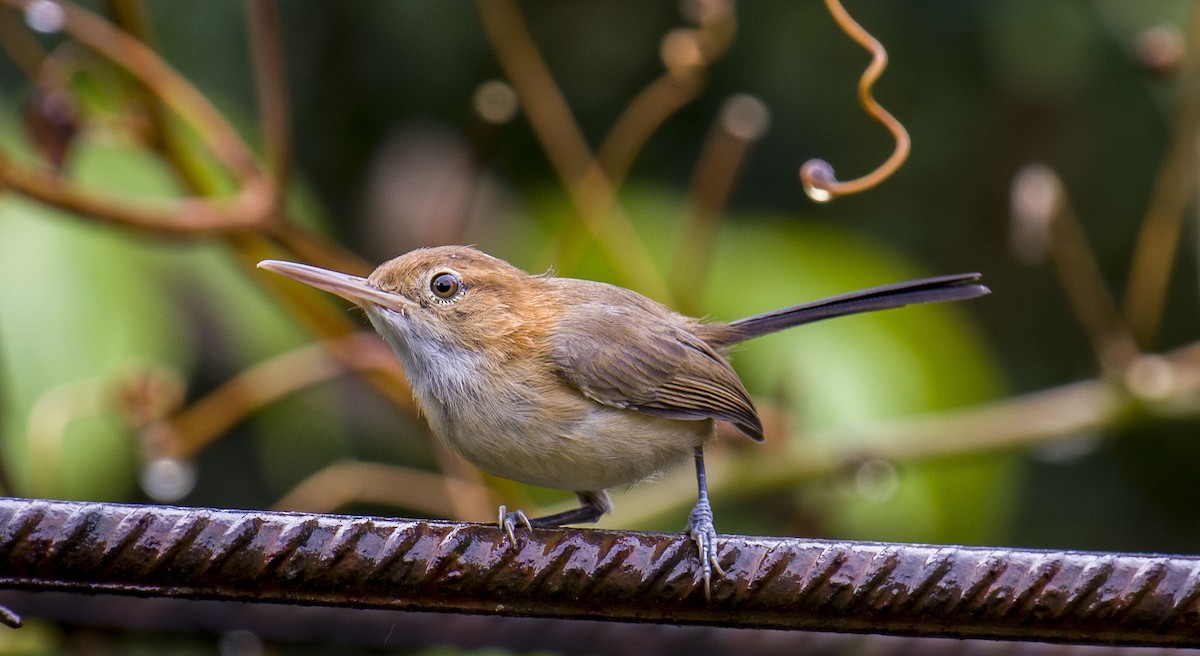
x=113, y=336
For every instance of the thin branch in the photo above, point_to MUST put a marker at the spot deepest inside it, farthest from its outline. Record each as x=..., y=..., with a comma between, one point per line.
x=1174, y=187
x=1044, y=221
x=686, y=54
x=343, y=483
x=249, y=206
x=20, y=46
x=231, y=403
x=742, y=121
x=237, y=217
x=1172, y=389
x=1079, y=273
x=641, y=118
x=270, y=76
x=820, y=182
x=541, y=99
x=189, y=217
x=179, y=94
x=187, y=166
x=1009, y=424
x=550, y=117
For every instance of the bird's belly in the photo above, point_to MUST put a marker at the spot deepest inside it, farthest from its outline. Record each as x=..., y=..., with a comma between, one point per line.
x=531, y=428
x=589, y=448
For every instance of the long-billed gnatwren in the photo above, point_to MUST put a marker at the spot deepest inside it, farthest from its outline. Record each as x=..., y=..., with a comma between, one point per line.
x=574, y=384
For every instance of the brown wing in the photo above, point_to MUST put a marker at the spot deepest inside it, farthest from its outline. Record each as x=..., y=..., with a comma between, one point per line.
x=621, y=357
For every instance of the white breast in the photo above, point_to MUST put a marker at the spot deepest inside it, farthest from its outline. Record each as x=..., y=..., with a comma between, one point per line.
x=508, y=431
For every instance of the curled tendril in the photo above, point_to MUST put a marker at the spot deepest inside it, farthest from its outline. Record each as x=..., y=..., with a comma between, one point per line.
x=817, y=175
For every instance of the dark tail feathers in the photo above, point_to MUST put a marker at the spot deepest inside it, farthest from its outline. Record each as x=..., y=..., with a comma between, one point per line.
x=956, y=287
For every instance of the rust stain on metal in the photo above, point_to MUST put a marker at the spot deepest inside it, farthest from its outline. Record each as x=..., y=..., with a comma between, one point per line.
x=819, y=585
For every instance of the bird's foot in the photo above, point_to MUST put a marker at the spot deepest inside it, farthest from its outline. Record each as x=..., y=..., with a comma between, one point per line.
x=509, y=520
x=704, y=534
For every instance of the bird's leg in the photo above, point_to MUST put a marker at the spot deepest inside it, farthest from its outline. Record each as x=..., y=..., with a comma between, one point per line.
x=701, y=529
x=592, y=506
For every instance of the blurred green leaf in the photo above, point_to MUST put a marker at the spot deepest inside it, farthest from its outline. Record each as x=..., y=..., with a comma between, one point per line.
x=79, y=304
x=863, y=369
x=82, y=304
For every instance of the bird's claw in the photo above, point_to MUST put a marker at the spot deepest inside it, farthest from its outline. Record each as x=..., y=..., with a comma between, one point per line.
x=509, y=520
x=704, y=534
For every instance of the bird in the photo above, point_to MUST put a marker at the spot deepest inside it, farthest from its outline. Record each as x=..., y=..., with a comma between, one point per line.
x=575, y=384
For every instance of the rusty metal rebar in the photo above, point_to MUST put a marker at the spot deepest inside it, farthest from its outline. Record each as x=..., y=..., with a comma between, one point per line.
x=787, y=583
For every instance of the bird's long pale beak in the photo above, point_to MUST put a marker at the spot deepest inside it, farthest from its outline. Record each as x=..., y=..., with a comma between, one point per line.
x=352, y=288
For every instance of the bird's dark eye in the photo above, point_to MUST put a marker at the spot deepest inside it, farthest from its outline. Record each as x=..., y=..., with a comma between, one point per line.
x=445, y=285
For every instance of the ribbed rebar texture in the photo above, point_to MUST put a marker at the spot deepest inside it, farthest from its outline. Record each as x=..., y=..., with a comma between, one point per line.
x=770, y=582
